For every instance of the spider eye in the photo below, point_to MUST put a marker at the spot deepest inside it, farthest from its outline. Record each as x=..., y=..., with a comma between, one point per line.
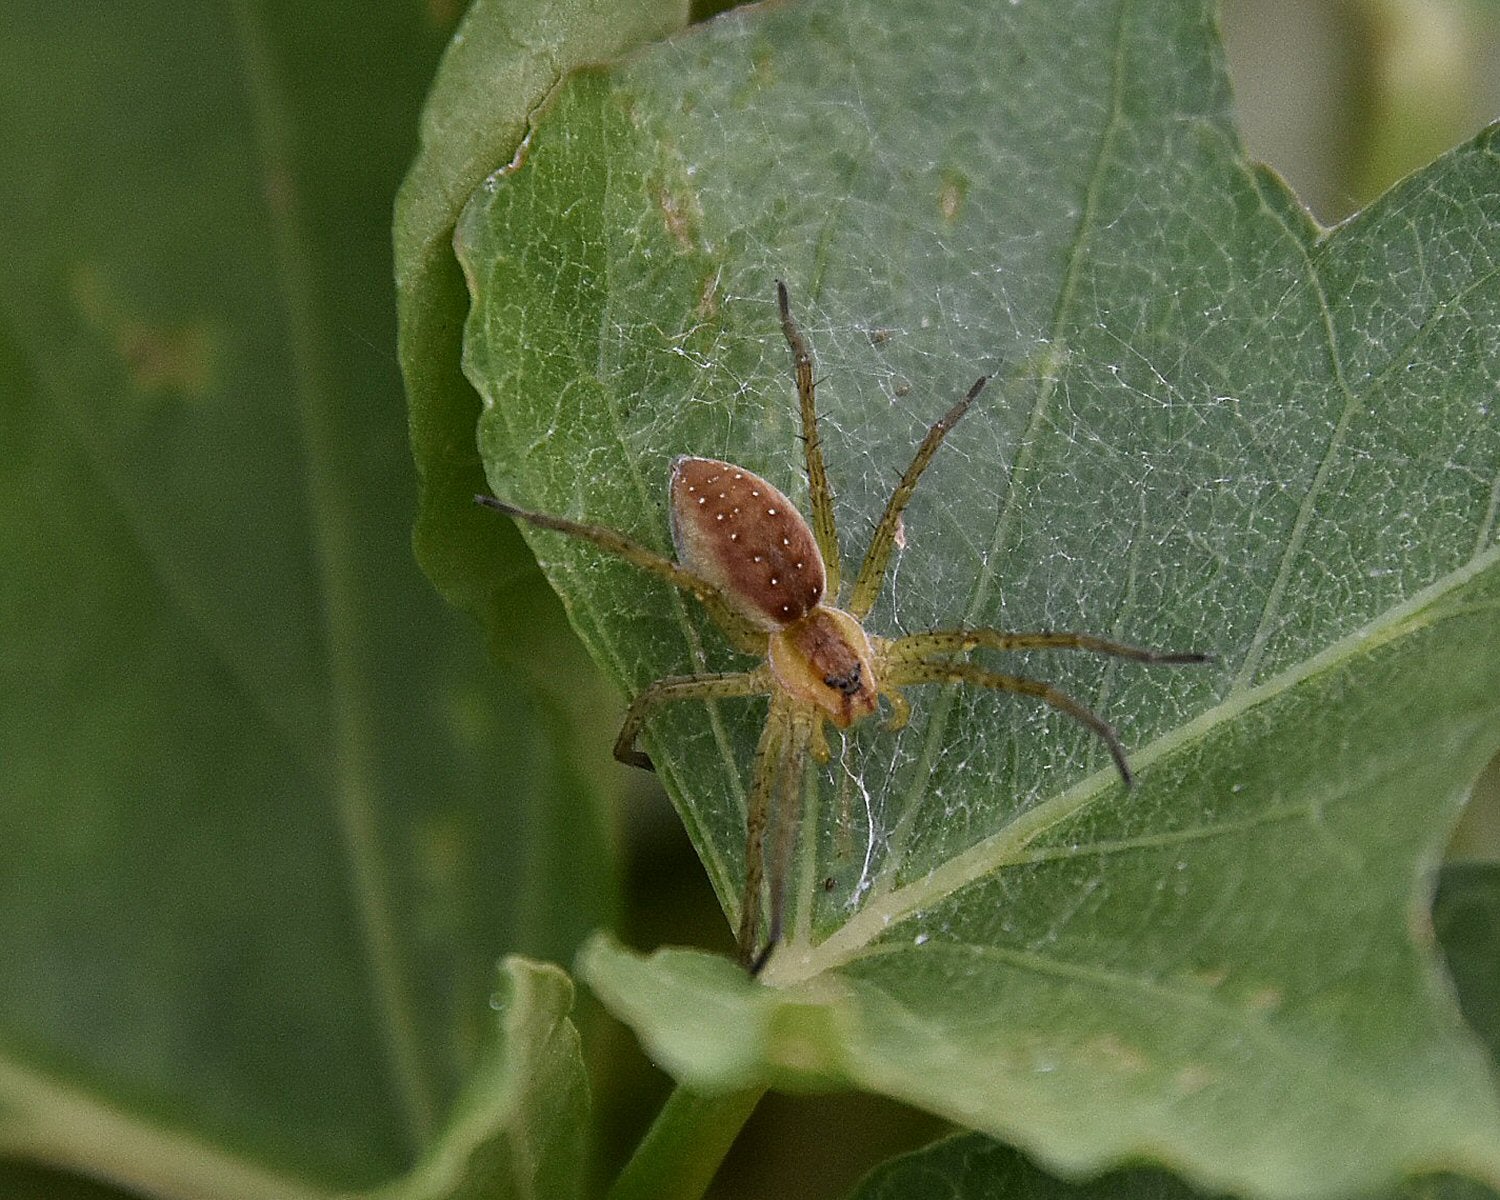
x=847, y=684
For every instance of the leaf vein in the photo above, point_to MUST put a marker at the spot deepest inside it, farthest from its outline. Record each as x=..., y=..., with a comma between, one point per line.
x=942, y=706
x=1305, y=510
x=353, y=780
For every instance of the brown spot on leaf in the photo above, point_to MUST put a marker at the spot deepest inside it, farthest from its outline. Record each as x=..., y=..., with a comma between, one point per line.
x=951, y=192
x=680, y=214
x=160, y=357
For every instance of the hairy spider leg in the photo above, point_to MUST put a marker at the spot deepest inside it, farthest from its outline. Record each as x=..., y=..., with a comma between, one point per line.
x=721, y=685
x=804, y=737
x=901, y=655
x=766, y=782
x=779, y=756
x=919, y=671
x=778, y=748
x=820, y=492
x=743, y=635
x=872, y=570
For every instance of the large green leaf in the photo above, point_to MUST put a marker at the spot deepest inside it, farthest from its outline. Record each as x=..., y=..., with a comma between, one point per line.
x=1213, y=426
x=266, y=817
x=971, y=1167
x=1466, y=914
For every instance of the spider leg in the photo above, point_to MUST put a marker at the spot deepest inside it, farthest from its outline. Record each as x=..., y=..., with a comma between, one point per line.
x=961, y=641
x=872, y=570
x=913, y=671
x=817, y=740
x=790, y=772
x=764, y=783
x=820, y=492
x=900, y=708
x=741, y=634
x=717, y=686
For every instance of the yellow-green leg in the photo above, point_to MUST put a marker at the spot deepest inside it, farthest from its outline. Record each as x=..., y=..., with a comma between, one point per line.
x=820, y=492
x=899, y=673
x=741, y=633
x=872, y=570
x=770, y=756
x=719, y=686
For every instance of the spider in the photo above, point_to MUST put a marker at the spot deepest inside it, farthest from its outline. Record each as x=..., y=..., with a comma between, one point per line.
x=771, y=582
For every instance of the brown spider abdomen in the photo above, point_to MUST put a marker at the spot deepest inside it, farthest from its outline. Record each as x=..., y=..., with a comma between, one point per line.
x=739, y=533
x=826, y=659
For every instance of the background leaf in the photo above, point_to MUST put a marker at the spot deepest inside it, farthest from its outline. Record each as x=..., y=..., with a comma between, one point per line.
x=1466, y=915
x=1214, y=426
x=521, y=1128
x=267, y=818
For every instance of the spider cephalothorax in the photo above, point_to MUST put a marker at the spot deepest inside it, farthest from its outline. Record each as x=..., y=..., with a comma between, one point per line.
x=765, y=576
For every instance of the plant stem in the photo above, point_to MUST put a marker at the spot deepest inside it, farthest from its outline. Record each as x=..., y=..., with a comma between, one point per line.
x=681, y=1152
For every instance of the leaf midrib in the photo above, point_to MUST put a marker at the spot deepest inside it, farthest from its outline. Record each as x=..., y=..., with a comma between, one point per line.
x=75, y=1128
x=1297, y=536
x=332, y=520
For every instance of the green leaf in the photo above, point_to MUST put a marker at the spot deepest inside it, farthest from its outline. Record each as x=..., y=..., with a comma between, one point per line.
x=267, y=818
x=1466, y=915
x=971, y=1167
x=520, y=1128
x=507, y=57
x=1214, y=426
